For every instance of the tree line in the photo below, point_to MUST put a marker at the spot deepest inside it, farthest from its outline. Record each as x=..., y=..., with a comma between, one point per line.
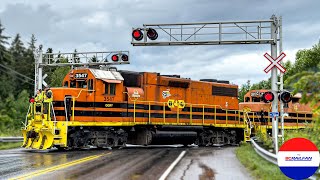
x=17, y=68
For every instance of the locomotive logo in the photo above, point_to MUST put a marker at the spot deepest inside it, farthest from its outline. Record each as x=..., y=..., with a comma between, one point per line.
x=136, y=94
x=176, y=103
x=257, y=94
x=166, y=94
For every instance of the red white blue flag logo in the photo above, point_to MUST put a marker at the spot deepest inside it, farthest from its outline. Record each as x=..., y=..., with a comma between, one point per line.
x=298, y=158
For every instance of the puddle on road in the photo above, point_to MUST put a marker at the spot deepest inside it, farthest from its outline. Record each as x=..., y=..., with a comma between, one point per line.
x=207, y=172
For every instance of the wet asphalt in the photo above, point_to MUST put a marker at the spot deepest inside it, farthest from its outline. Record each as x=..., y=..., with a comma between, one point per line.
x=210, y=163
x=127, y=163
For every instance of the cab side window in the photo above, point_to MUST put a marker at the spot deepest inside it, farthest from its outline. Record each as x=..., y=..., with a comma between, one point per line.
x=65, y=84
x=72, y=84
x=82, y=84
x=106, y=88
x=90, y=84
x=110, y=88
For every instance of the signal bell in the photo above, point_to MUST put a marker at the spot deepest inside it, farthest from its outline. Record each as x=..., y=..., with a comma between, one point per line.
x=285, y=97
x=268, y=97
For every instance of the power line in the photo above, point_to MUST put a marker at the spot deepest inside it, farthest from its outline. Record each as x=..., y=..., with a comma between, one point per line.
x=24, y=80
x=16, y=72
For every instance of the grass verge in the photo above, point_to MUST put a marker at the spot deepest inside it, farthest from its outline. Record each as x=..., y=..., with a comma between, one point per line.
x=9, y=145
x=257, y=166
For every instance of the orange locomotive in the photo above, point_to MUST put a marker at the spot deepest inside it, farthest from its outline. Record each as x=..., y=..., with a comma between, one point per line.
x=298, y=115
x=108, y=108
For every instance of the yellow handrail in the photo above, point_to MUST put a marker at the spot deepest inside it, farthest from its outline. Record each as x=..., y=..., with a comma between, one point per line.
x=134, y=111
x=202, y=114
x=149, y=113
x=164, y=112
x=227, y=111
x=190, y=114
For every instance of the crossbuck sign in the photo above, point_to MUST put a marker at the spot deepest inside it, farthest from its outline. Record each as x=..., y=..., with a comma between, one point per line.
x=275, y=62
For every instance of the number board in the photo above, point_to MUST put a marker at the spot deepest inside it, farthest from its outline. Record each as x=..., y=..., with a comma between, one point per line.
x=81, y=75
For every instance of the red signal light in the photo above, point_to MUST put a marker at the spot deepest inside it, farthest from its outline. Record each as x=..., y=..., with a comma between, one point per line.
x=124, y=57
x=268, y=97
x=137, y=35
x=115, y=57
x=152, y=34
x=31, y=100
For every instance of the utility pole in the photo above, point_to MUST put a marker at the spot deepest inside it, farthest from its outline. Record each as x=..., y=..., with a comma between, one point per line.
x=274, y=82
x=281, y=82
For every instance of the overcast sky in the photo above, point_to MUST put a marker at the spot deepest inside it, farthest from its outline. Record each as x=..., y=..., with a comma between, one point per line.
x=105, y=25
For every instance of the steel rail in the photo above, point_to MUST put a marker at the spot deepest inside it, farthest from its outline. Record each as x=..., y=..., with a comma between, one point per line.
x=11, y=139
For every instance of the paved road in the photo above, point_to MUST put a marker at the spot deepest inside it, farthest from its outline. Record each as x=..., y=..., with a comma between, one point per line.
x=129, y=163
x=210, y=163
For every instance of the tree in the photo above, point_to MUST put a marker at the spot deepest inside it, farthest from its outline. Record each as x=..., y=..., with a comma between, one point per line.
x=304, y=77
x=32, y=43
x=94, y=59
x=76, y=57
x=4, y=54
x=306, y=60
x=21, y=64
x=243, y=90
x=58, y=74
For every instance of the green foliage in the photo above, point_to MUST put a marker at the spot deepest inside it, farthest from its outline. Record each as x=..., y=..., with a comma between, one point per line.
x=258, y=167
x=57, y=76
x=243, y=90
x=10, y=145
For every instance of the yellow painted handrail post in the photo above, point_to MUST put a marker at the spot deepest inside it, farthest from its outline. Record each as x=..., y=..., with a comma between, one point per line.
x=149, y=113
x=73, y=104
x=202, y=114
x=191, y=114
x=305, y=117
x=134, y=111
x=215, y=115
x=226, y=116
x=297, y=120
x=178, y=115
x=253, y=117
x=164, y=112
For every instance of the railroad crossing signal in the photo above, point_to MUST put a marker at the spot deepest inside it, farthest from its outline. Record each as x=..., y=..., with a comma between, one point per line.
x=43, y=82
x=267, y=97
x=285, y=96
x=275, y=62
x=176, y=103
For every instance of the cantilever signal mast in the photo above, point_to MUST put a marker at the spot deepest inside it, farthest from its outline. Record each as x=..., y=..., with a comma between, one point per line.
x=216, y=33
x=75, y=59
